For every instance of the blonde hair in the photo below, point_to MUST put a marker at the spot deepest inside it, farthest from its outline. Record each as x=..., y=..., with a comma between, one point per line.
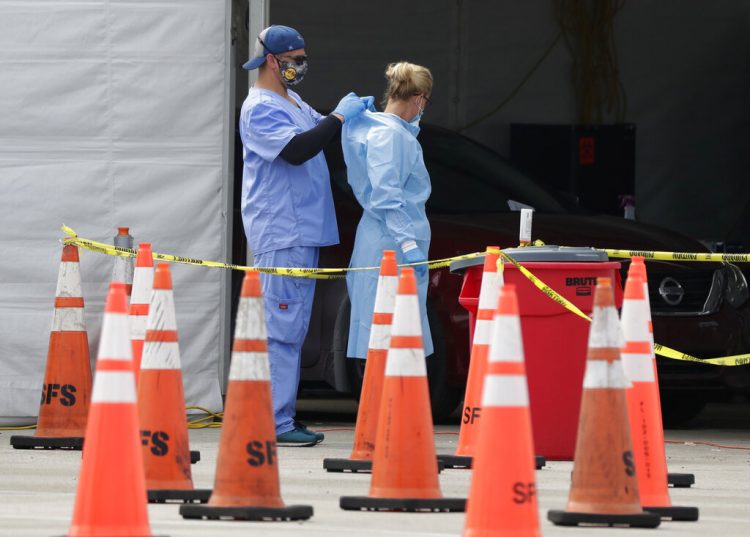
x=406, y=80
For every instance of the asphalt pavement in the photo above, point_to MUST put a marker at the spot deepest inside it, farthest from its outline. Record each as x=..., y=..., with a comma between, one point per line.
x=37, y=488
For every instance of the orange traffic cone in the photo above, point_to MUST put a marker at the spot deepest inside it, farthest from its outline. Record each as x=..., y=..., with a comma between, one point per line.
x=66, y=391
x=111, y=497
x=405, y=469
x=247, y=474
x=143, y=280
x=638, y=267
x=643, y=406
x=122, y=271
x=604, y=488
x=502, y=499
x=161, y=403
x=492, y=281
x=372, y=386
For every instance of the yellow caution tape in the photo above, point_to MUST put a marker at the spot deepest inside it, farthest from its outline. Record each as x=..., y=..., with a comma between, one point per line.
x=661, y=350
x=330, y=273
x=680, y=256
x=539, y=284
x=316, y=273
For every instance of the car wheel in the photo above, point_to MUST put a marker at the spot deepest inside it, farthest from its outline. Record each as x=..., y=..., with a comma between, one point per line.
x=443, y=397
x=678, y=410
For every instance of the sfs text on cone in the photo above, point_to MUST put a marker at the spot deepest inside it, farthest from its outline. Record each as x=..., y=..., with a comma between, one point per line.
x=161, y=403
x=405, y=469
x=492, y=281
x=66, y=391
x=604, y=487
x=502, y=499
x=247, y=475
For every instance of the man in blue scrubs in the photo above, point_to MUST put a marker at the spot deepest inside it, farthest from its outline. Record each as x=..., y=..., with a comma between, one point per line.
x=287, y=206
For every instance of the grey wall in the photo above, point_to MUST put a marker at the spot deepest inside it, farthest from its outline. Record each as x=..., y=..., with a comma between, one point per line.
x=684, y=66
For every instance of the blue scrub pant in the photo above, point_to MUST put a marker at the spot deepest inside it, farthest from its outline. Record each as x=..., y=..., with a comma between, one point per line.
x=288, y=305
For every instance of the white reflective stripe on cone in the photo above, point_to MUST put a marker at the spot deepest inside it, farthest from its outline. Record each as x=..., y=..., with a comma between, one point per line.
x=115, y=340
x=405, y=363
x=142, y=285
x=113, y=387
x=380, y=336
x=638, y=367
x=68, y=320
x=249, y=366
x=505, y=390
x=490, y=290
x=635, y=320
x=251, y=321
x=407, y=320
x=161, y=311
x=482, y=332
x=506, y=339
x=161, y=355
x=604, y=329
x=69, y=280
x=138, y=326
x=385, y=296
x=604, y=374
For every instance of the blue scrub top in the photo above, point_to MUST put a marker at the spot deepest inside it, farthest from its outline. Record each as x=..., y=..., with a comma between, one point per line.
x=283, y=205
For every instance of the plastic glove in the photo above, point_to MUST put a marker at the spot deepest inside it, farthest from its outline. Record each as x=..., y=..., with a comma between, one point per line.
x=369, y=102
x=416, y=256
x=349, y=107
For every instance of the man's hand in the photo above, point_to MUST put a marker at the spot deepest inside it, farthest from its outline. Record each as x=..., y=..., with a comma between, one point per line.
x=349, y=107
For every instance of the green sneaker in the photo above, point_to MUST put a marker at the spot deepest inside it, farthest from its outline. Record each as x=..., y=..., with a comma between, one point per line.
x=297, y=437
x=300, y=425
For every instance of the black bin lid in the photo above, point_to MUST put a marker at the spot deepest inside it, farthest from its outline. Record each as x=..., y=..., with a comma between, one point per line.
x=546, y=253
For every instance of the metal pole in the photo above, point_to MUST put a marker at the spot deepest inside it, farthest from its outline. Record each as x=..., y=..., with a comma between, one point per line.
x=259, y=19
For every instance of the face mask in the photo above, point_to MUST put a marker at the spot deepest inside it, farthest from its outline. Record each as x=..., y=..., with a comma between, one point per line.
x=415, y=120
x=291, y=72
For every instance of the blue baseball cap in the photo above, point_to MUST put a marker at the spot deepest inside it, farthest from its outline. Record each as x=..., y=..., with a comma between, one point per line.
x=274, y=39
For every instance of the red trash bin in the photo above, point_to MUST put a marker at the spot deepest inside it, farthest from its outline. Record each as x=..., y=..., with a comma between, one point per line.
x=555, y=340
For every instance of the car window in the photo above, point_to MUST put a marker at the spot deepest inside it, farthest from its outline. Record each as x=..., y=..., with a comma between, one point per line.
x=467, y=178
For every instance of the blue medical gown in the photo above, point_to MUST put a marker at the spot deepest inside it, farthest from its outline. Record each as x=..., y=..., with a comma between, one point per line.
x=386, y=171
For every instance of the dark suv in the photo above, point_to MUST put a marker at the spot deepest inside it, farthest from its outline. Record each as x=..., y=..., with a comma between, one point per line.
x=699, y=308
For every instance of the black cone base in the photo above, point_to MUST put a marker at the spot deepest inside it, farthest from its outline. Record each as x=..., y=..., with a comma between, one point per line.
x=349, y=465
x=455, y=461
x=414, y=505
x=346, y=465
x=638, y=520
x=46, y=442
x=208, y=512
x=195, y=456
x=681, y=480
x=678, y=514
x=459, y=461
x=179, y=496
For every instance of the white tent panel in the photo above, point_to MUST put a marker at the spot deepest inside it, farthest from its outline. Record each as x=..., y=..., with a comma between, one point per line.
x=114, y=114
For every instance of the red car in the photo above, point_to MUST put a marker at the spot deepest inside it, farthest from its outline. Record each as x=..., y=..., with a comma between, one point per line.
x=701, y=309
